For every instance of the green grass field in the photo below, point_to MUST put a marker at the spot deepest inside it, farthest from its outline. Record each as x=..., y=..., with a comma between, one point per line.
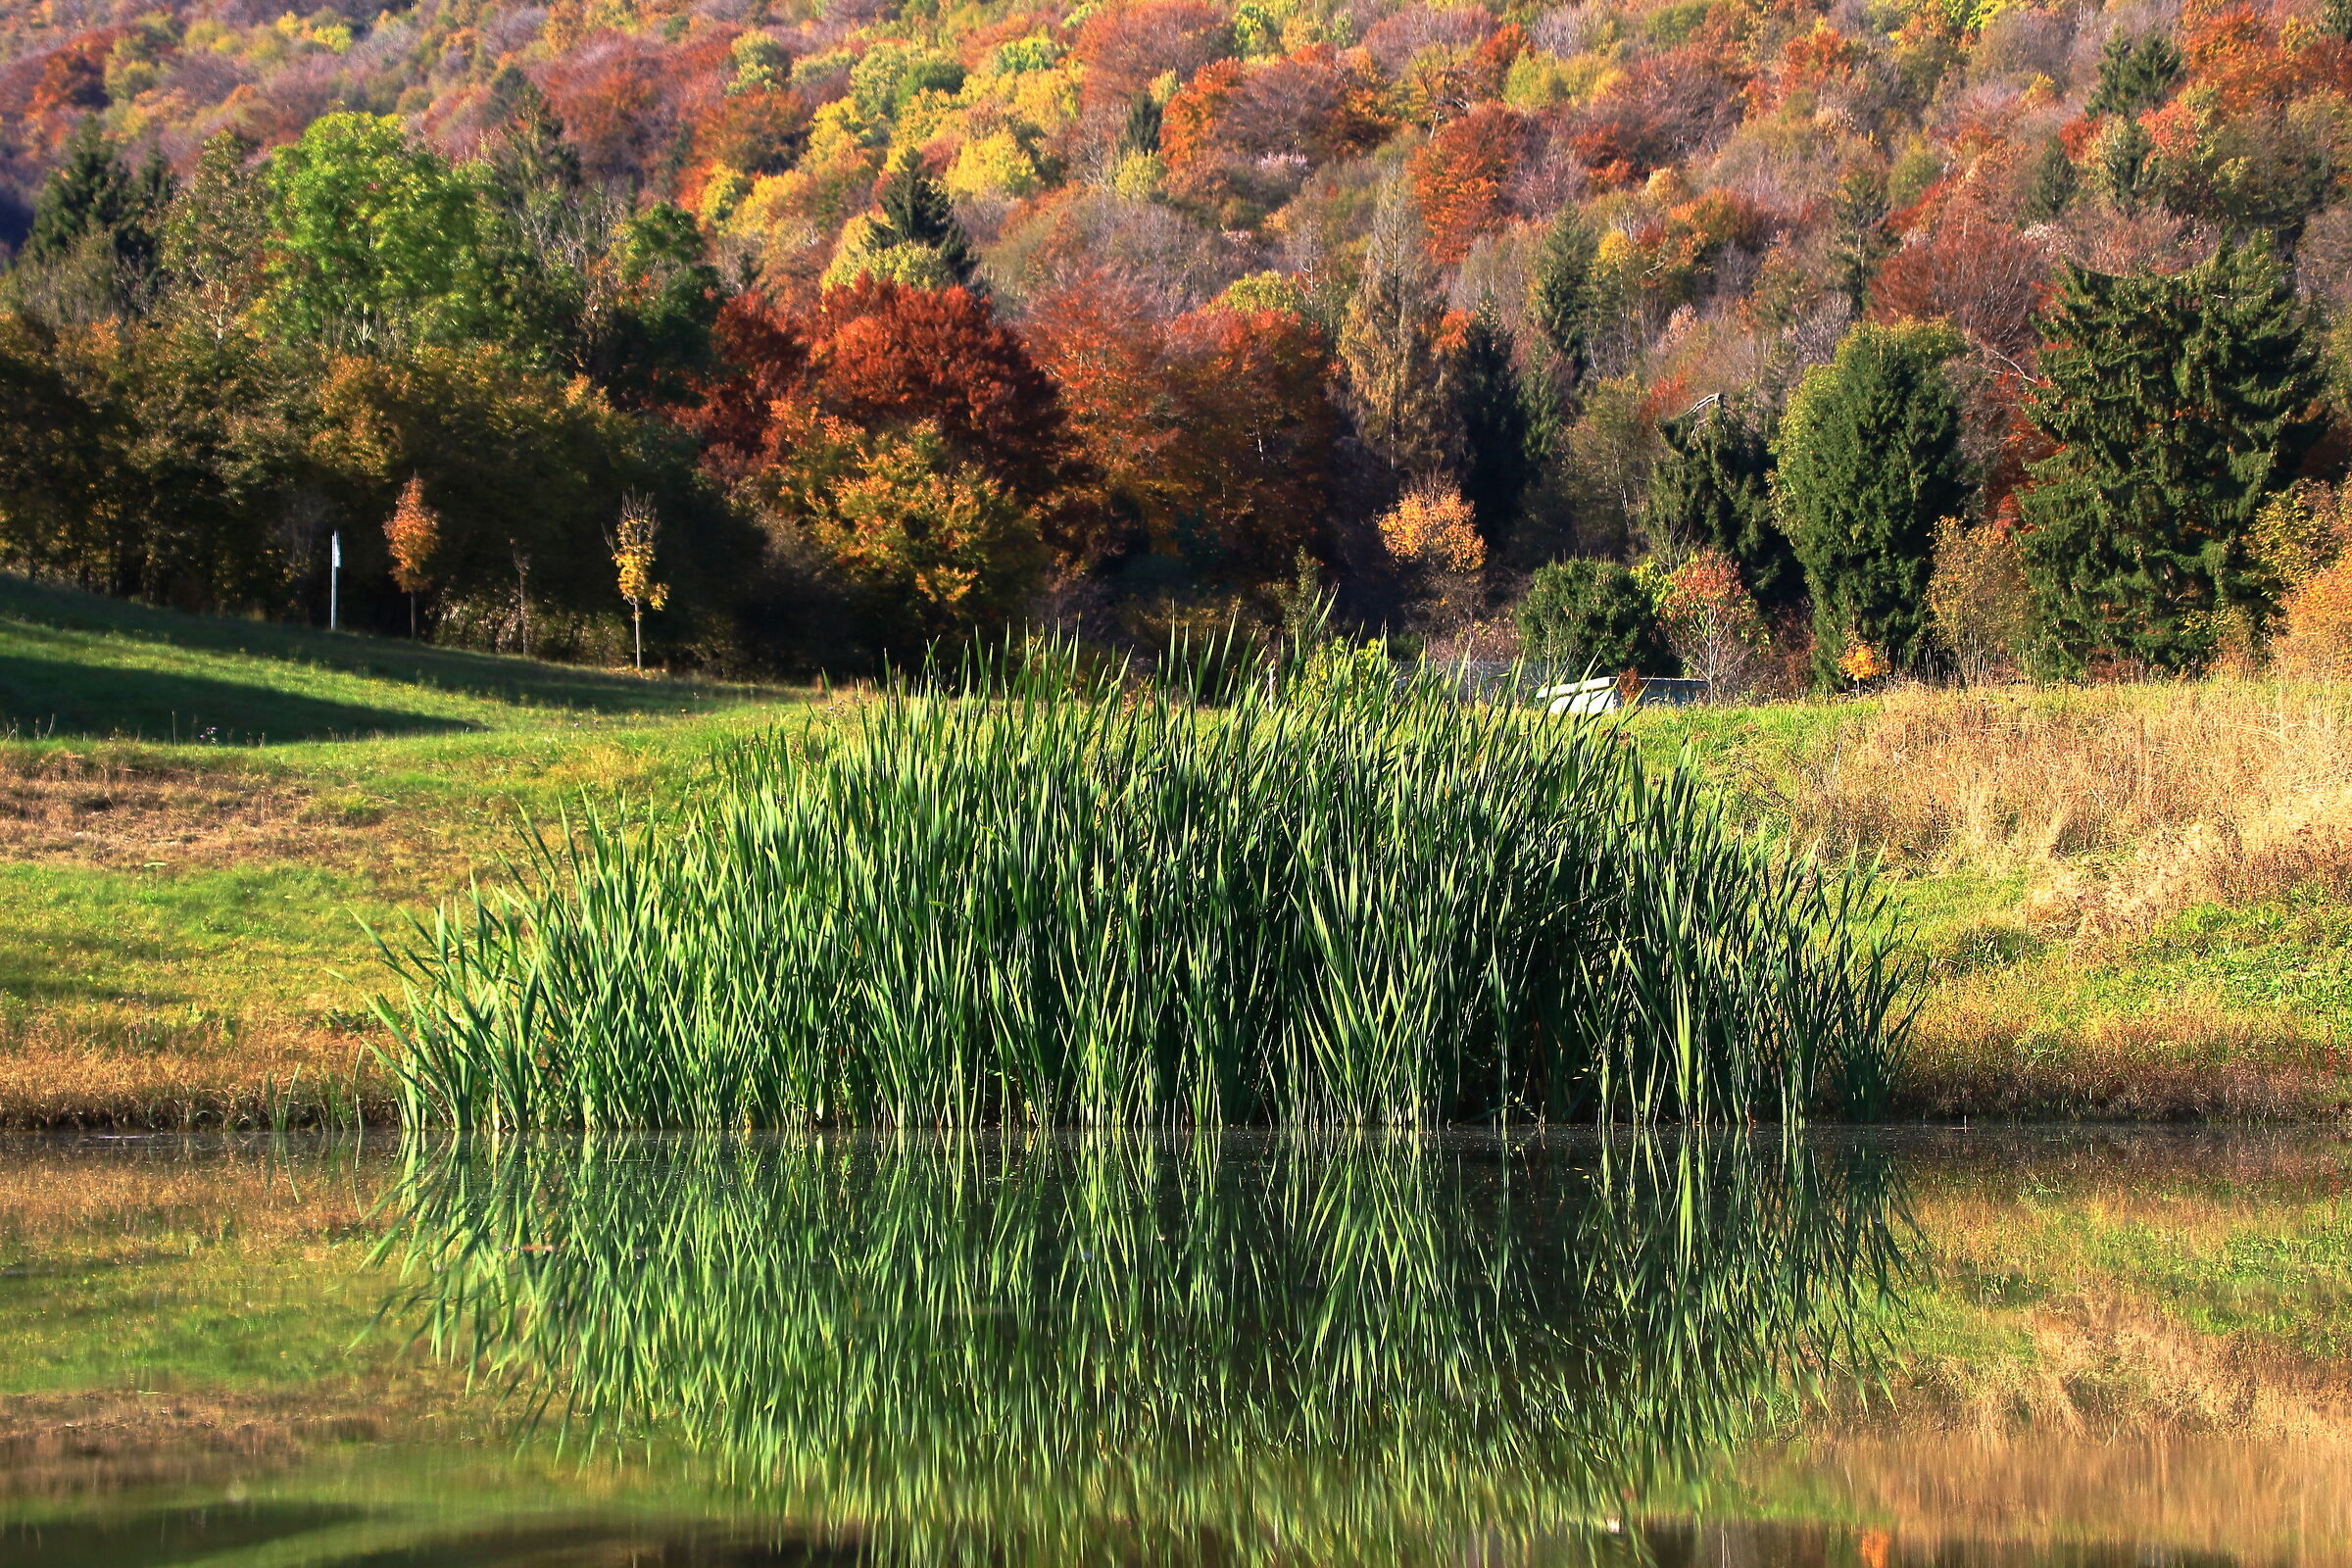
x=200, y=819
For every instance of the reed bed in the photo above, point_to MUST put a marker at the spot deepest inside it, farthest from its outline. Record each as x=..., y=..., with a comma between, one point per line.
x=1040, y=1347
x=1040, y=894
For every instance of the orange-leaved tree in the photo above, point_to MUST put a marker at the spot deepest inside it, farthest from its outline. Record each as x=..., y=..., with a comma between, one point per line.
x=1209, y=435
x=1712, y=624
x=413, y=533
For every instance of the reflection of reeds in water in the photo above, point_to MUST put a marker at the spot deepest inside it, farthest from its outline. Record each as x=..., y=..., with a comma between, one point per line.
x=1051, y=1350
x=1034, y=904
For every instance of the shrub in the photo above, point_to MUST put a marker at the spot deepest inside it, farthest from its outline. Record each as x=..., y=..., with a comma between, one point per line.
x=1711, y=622
x=2318, y=640
x=1025, y=907
x=1978, y=599
x=1591, y=614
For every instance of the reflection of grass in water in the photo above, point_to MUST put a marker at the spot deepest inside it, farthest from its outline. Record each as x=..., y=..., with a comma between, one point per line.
x=1052, y=899
x=1041, y=1351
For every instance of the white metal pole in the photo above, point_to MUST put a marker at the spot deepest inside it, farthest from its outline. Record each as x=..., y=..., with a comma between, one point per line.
x=334, y=579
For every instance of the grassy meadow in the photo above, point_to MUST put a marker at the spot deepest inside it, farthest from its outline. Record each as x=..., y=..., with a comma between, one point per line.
x=2130, y=900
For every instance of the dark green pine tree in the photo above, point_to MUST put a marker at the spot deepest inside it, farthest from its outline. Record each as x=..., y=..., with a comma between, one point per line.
x=1141, y=133
x=1494, y=425
x=1564, y=302
x=915, y=211
x=2176, y=404
x=1714, y=488
x=1858, y=237
x=2127, y=164
x=2335, y=19
x=100, y=224
x=2054, y=183
x=1869, y=460
x=2134, y=74
x=529, y=160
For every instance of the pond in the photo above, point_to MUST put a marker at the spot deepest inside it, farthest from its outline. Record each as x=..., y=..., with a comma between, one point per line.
x=1945, y=1346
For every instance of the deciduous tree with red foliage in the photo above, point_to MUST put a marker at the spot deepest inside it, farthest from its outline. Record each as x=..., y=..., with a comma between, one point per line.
x=764, y=355
x=609, y=95
x=72, y=80
x=1664, y=108
x=883, y=354
x=1209, y=434
x=1252, y=133
x=1462, y=178
x=1973, y=270
x=1124, y=48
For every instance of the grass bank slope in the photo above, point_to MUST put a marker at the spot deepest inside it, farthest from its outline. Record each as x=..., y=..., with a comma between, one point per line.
x=197, y=814
x=2133, y=902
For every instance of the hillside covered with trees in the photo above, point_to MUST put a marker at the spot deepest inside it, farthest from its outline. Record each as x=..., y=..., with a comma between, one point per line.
x=1779, y=342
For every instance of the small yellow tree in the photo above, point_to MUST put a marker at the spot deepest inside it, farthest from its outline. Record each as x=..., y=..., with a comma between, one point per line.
x=1978, y=599
x=413, y=533
x=633, y=553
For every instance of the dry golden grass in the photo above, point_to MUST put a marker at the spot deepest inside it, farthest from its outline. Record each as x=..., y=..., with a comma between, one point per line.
x=103, y=1195
x=1982, y=1050
x=2131, y=1285
x=128, y=809
x=2121, y=804
x=63, y=1071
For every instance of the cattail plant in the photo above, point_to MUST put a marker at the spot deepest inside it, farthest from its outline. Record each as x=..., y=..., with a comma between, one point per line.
x=1033, y=895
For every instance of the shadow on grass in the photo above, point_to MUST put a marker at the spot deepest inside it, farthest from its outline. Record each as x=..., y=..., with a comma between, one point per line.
x=42, y=696
x=492, y=676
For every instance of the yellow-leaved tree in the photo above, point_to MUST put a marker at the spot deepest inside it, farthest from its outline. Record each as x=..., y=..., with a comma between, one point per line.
x=633, y=553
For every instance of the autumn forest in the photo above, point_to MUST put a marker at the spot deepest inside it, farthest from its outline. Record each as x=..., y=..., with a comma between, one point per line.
x=1775, y=342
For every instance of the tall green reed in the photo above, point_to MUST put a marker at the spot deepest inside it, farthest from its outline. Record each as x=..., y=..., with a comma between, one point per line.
x=1041, y=894
x=1064, y=1348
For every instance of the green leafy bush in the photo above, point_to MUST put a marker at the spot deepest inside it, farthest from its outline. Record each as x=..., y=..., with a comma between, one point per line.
x=1591, y=613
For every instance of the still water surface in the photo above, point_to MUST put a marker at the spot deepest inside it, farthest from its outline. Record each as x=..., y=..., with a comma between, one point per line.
x=1866, y=1348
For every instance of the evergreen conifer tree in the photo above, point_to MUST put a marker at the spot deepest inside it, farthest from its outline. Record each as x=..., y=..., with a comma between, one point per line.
x=96, y=242
x=1869, y=459
x=1562, y=300
x=1141, y=133
x=1713, y=490
x=1494, y=425
x=2176, y=405
x=2127, y=164
x=915, y=211
x=2134, y=74
x=1858, y=237
x=528, y=155
x=2054, y=182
